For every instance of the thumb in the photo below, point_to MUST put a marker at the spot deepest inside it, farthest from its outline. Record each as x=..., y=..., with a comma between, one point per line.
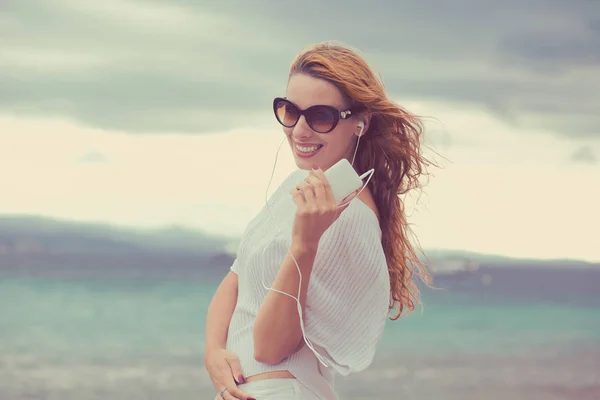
x=344, y=203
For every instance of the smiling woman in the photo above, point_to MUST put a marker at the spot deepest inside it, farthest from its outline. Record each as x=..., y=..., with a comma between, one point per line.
x=348, y=265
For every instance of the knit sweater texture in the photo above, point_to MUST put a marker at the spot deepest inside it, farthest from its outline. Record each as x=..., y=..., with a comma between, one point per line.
x=348, y=294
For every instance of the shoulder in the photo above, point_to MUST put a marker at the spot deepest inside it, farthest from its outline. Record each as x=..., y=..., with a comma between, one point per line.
x=351, y=259
x=358, y=220
x=354, y=239
x=367, y=198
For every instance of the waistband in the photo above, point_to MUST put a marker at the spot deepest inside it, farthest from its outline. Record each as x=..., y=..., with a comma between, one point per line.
x=278, y=389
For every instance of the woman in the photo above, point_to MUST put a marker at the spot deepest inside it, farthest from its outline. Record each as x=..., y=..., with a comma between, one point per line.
x=348, y=265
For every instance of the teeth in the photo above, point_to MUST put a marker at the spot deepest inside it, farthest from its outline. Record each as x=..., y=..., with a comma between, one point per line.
x=308, y=149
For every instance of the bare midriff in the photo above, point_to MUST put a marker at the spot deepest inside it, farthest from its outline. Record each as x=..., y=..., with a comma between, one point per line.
x=271, y=375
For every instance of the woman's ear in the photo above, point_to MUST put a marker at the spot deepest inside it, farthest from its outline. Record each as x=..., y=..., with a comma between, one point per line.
x=362, y=127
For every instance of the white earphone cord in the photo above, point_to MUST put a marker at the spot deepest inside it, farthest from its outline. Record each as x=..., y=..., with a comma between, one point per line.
x=307, y=341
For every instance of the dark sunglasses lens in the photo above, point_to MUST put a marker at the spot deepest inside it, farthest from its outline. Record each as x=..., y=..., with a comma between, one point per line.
x=320, y=119
x=286, y=113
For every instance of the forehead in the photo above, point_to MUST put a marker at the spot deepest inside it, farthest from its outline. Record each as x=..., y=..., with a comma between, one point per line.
x=306, y=91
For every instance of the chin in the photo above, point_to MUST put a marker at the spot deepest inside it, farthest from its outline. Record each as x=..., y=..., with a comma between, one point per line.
x=306, y=163
x=303, y=164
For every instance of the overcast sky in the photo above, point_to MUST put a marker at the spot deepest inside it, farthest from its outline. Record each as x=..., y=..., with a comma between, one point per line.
x=147, y=113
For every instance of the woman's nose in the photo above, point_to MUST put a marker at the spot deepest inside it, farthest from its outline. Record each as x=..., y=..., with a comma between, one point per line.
x=302, y=129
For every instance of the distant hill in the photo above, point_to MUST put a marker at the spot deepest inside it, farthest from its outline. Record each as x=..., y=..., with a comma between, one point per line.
x=45, y=247
x=448, y=261
x=24, y=234
x=36, y=242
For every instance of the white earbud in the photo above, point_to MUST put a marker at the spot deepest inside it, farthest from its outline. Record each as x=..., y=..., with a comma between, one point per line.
x=361, y=125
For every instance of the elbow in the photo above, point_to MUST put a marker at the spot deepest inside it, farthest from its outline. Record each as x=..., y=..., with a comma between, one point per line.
x=266, y=357
x=267, y=354
x=267, y=350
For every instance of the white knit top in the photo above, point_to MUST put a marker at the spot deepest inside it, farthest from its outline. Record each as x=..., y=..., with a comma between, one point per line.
x=348, y=294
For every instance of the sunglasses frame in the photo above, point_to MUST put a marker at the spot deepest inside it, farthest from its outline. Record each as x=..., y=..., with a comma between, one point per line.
x=337, y=114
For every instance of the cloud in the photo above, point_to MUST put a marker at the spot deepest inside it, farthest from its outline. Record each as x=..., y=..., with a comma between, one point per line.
x=93, y=157
x=495, y=193
x=585, y=155
x=180, y=66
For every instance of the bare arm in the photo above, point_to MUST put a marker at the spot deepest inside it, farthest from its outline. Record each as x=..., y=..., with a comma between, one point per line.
x=220, y=311
x=277, y=332
x=222, y=365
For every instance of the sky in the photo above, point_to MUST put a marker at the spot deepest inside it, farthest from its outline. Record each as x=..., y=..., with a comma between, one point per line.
x=154, y=113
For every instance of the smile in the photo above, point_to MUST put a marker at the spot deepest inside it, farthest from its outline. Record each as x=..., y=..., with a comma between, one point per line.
x=307, y=150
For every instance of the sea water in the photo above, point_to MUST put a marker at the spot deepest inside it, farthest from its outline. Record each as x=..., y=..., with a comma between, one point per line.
x=495, y=334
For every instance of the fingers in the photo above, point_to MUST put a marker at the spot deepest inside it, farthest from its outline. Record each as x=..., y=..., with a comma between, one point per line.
x=318, y=187
x=298, y=196
x=233, y=392
x=236, y=370
x=235, y=373
x=229, y=383
x=314, y=193
x=228, y=396
x=349, y=198
x=236, y=394
x=308, y=192
x=224, y=370
x=346, y=201
x=317, y=175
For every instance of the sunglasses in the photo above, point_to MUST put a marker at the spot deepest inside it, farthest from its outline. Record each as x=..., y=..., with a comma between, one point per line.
x=320, y=118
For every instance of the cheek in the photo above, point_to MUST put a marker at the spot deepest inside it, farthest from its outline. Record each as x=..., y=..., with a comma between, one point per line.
x=288, y=132
x=340, y=138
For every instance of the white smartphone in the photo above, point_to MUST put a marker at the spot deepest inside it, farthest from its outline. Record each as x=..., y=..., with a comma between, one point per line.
x=343, y=179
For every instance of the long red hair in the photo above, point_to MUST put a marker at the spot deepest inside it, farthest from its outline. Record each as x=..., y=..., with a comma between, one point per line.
x=391, y=145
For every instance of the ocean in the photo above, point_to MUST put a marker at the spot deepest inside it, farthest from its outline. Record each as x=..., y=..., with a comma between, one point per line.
x=117, y=333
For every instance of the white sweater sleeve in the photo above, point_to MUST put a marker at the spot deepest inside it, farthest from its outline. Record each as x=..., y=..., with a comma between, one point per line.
x=349, y=291
x=233, y=268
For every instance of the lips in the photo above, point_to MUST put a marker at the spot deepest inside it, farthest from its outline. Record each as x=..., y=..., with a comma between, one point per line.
x=307, y=149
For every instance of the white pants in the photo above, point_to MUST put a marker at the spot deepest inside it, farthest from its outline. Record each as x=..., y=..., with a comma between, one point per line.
x=278, y=389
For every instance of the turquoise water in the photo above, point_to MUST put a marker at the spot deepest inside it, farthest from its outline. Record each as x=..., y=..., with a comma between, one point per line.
x=104, y=316
x=94, y=337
